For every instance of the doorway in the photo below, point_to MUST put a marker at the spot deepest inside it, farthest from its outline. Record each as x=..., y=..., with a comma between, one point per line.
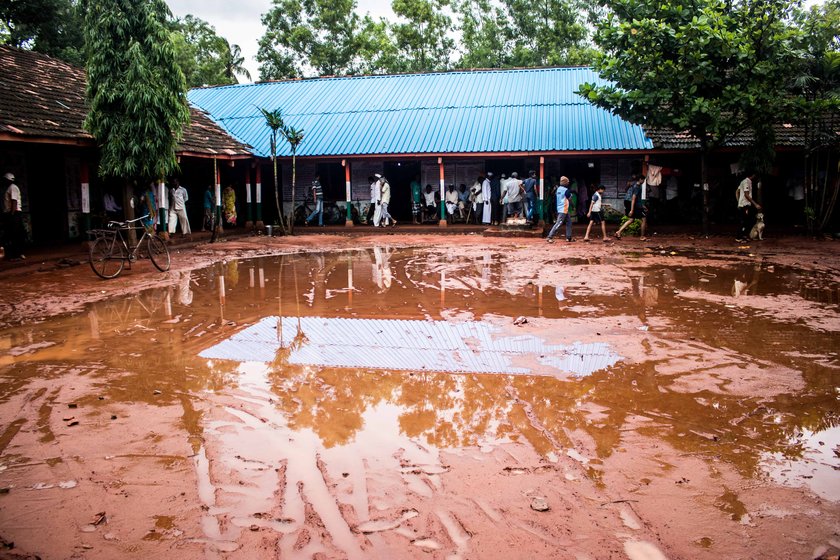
x=399, y=175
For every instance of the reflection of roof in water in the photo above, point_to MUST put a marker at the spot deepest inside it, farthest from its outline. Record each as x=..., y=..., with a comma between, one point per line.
x=458, y=347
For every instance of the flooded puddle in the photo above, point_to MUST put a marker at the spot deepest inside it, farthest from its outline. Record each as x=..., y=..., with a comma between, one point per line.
x=330, y=399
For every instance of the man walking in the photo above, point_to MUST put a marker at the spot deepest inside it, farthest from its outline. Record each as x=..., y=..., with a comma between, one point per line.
x=178, y=210
x=385, y=189
x=530, y=187
x=564, y=196
x=318, y=197
x=12, y=220
x=747, y=207
x=514, y=195
x=375, y=199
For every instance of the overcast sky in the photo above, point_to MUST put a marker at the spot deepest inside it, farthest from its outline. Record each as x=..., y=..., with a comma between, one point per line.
x=239, y=22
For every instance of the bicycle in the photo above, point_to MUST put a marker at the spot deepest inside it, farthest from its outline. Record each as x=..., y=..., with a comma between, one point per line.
x=110, y=251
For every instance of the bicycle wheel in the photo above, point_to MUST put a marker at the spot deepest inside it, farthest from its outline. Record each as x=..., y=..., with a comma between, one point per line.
x=103, y=260
x=158, y=253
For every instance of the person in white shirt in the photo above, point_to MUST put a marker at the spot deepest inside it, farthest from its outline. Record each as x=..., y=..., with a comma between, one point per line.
x=178, y=208
x=385, y=189
x=747, y=207
x=375, y=198
x=514, y=195
x=595, y=215
x=451, y=202
x=485, y=197
x=430, y=209
x=14, y=233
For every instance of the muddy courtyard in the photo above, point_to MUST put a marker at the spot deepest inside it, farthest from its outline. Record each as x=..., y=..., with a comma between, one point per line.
x=441, y=397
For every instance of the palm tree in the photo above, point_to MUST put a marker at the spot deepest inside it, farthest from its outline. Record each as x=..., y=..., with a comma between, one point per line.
x=234, y=64
x=294, y=137
x=274, y=121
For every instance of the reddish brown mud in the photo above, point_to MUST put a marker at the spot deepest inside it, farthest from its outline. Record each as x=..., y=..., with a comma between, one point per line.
x=176, y=416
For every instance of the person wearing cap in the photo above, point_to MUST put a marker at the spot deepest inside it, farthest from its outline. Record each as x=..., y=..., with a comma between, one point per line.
x=529, y=185
x=13, y=232
x=385, y=189
x=487, y=197
x=564, y=196
x=375, y=199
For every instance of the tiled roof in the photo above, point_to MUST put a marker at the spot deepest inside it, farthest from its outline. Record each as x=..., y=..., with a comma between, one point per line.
x=44, y=98
x=788, y=135
x=41, y=96
x=524, y=110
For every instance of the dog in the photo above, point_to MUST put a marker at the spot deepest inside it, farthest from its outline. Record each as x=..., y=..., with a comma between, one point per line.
x=757, y=231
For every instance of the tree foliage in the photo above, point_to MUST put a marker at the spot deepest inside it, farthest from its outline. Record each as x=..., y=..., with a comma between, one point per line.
x=135, y=90
x=483, y=34
x=714, y=68
x=546, y=33
x=204, y=57
x=303, y=36
x=818, y=88
x=51, y=27
x=422, y=35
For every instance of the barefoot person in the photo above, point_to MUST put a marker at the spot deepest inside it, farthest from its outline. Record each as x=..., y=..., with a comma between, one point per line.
x=747, y=207
x=564, y=199
x=636, y=210
x=595, y=216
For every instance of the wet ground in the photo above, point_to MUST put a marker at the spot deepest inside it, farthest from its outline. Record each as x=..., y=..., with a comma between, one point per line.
x=449, y=397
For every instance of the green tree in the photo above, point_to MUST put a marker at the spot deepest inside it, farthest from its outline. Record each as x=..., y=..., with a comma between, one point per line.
x=483, y=34
x=422, y=36
x=234, y=64
x=713, y=68
x=303, y=36
x=546, y=33
x=294, y=137
x=274, y=122
x=135, y=91
x=818, y=88
x=204, y=57
x=51, y=27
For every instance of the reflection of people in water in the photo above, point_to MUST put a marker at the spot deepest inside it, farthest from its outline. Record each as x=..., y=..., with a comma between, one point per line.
x=381, y=268
x=743, y=285
x=185, y=295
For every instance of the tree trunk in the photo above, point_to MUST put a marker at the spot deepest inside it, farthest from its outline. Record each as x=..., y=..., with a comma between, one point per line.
x=292, y=212
x=277, y=197
x=704, y=185
x=128, y=205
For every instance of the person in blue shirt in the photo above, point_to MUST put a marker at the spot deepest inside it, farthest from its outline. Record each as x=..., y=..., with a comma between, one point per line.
x=564, y=196
x=530, y=186
x=208, y=208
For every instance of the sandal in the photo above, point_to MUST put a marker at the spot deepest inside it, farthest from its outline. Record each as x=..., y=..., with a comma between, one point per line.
x=617, y=235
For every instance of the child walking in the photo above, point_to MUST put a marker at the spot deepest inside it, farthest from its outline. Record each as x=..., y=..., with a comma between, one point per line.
x=595, y=215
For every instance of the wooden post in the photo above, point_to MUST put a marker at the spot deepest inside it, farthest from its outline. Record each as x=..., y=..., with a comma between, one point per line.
x=347, y=189
x=258, y=197
x=85, y=188
x=163, y=209
x=442, y=222
x=217, y=174
x=249, y=216
x=541, y=200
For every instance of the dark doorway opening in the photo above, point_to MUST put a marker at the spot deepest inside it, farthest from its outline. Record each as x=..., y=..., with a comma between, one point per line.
x=332, y=181
x=399, y=175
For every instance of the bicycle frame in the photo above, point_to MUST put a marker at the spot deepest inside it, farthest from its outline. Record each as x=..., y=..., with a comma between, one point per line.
x=110, y=245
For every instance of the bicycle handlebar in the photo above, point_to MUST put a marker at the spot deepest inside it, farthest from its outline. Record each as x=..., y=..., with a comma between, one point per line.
x=124, y=225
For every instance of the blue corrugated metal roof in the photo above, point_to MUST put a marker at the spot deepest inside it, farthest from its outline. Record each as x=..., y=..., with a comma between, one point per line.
x=449, y=112
x=465, y=347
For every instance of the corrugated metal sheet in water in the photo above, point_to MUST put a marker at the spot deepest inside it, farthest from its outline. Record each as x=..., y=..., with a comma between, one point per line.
x=465, y=347
x=449, y=112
